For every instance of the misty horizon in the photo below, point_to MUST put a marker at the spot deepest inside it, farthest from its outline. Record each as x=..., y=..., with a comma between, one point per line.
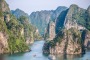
x=33, y=6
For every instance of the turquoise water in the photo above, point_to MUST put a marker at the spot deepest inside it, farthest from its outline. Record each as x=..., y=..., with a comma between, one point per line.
x=36, y=54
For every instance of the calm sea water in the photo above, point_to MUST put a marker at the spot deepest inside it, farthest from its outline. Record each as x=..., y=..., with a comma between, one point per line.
x=36, y=54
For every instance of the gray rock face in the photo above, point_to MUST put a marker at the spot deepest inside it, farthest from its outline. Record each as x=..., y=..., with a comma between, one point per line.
x=4, y=6
x=66, y=42
x=87, y=40
x=30, y=40
x=51, y=30
x=75, y=18
x=3, y=43
x=3, y=35
x=69, y=44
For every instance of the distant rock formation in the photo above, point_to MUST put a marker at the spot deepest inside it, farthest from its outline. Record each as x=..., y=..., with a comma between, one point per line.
x=88, y=18
x=18, y=13
x=41, y=18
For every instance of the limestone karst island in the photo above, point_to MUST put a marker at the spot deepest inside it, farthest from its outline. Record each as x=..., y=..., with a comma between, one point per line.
x=44, y=30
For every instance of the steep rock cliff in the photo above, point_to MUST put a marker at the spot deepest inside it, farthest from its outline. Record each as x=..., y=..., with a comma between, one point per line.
x=4, y=48
x=50, y=31
x=72, y=41
x=87, y=40
x=30, y=32
x=4, y=6
x=75, y=17
x=28, y=29
x=12, y=34
x=3, y=43
x=65, y=42
x=60, y=21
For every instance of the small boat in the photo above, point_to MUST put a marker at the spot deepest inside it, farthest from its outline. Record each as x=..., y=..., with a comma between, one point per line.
x=34, y=55
x=52, y=57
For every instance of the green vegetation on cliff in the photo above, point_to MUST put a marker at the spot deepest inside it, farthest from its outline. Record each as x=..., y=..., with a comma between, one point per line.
x=28, y=28
x=75, y=21
x=16, y=42
x=76, y=13
x=64, y=40
x=15, y=30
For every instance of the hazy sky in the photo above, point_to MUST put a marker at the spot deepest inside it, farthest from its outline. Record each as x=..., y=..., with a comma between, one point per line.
x=36, y=5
